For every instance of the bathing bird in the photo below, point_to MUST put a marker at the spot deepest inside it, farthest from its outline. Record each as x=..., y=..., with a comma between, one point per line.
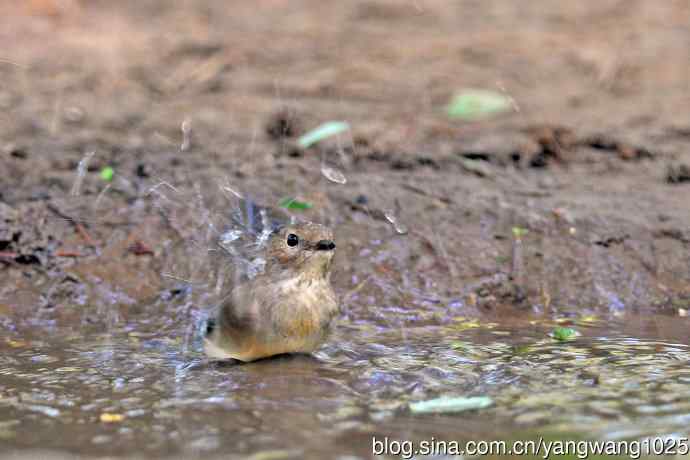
x=289, y=307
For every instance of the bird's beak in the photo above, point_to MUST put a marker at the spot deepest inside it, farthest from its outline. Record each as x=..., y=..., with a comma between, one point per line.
x=325, y=245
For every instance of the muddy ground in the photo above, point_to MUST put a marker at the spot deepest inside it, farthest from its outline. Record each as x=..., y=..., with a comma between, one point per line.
x=591, y=164
x=594, y=161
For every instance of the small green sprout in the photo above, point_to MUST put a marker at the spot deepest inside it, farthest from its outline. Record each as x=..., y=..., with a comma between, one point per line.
x=107, y=173
x=563, y=334
x=292, y=203
x=519, y=232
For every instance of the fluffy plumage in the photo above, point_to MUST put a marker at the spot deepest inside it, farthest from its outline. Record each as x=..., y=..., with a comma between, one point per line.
x=288, y=308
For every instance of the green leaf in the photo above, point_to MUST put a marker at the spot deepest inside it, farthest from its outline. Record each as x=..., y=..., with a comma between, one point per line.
x=519, y=232
x=328, y=129
x=564, y=333
x=472, y=104
x=291, y=203
x=447, y=405
x=107, y=173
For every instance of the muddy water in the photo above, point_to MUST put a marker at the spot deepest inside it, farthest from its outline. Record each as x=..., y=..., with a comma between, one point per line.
x=141, y=387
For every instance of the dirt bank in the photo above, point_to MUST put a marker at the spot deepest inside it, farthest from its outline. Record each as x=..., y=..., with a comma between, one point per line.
x=591, y=163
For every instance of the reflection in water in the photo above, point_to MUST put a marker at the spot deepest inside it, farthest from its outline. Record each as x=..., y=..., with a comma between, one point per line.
x=138, y=389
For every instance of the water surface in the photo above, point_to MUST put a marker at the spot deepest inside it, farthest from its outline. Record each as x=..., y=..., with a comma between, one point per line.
x=141, y=386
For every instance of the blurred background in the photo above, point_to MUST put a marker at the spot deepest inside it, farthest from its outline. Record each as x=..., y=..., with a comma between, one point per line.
x=392, y=65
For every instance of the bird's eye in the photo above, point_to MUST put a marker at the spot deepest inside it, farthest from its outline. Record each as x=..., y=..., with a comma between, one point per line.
x=292, y=240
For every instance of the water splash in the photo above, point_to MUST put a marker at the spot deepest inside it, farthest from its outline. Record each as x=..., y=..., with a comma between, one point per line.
x=81, y=172
x=333, y=174
x=186, y=128
x=399, y=227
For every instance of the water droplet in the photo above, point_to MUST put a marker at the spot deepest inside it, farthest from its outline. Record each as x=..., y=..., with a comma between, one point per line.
x=399, y=227
x=186, y=129
x=333, y=174
x=230, y=236
x=81, y=172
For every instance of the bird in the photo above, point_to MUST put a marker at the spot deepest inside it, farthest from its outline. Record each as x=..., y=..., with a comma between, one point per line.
x=287, y=308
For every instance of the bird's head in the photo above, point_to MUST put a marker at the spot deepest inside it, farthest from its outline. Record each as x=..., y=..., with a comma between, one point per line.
x=305, y=248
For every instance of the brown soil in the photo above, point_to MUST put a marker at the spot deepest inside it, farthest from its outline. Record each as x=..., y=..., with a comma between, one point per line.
x=594, y=164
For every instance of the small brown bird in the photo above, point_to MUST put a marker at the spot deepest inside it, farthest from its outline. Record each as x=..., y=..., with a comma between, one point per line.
x=287, y=308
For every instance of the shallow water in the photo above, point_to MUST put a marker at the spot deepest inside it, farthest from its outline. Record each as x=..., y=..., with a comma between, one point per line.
x=110, y=375
x=137, y=388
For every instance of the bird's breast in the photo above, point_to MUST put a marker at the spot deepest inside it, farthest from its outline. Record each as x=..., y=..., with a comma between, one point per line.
x=306, y=309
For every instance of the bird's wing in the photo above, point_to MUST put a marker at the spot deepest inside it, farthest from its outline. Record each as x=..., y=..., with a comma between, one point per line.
x=230, y=333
